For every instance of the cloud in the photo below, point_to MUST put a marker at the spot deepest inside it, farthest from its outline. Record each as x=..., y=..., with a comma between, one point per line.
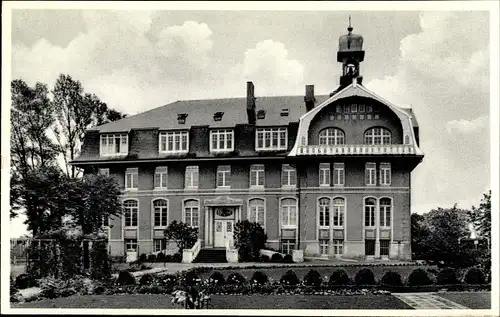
x=467, y=126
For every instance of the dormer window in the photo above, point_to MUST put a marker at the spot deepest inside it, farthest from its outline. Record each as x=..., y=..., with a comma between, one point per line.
x=181, y=118
x=114, y=144
x=261, y=114
x=174, y=142
x=218, y=116
x=271, y=139
x=222, y=140
x=284, y=112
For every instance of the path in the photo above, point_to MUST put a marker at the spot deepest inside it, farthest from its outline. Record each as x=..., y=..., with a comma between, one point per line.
x=427, y=301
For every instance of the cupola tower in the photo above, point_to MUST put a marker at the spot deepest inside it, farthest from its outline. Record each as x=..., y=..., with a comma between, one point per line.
x=350, y=54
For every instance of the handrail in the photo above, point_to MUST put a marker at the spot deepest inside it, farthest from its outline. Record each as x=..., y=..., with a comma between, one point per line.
x=188, y=255
x=356, y=149
x=231, y=253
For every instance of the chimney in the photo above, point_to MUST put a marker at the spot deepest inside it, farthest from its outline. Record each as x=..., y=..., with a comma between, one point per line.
x=309, y=97
x=250, y=102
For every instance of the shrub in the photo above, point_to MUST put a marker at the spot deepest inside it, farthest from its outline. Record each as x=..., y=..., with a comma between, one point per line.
x=160, y=257
x=290, y=278
x=184, y=235
x=100, y=262
x=146, y=279
x=236, y=278
x=264, y=258
x=364, y=277
x=249, y=239
x=177, y=258
x=447, y=276
x=24, y=281
x=125, y=278
x=259, y=277
x=191, y=278
x=474, y=276
x=276, y=257
x=143, y=257
x=313, y=278
x=152, y=258
x=218, y=278
x=391, y=278
x=339, y=277
x=287, y=258
x=418, y=277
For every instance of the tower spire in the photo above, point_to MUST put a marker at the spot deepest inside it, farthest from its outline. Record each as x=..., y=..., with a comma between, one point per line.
x=350, y=27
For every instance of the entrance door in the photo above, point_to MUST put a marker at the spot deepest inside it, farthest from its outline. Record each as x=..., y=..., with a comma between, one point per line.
x=223, y=232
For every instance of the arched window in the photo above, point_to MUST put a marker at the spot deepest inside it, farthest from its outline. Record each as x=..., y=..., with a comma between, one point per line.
x=257, y=211
x=131, y=209
x=338, y=212
x=288, y=213
x=377, y=136
x=370, y=204
x=160, y=207
x=324, y=212
x=192, y=212
x=331, y=136
x=385, y=212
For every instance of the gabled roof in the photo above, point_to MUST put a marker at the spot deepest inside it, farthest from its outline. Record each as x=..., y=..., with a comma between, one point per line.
x=201, y=112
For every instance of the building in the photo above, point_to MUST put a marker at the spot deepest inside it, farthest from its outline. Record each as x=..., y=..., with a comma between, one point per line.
x=328, y=174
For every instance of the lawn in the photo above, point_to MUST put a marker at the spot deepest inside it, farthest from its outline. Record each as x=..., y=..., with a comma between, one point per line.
x=473, y=300
x=144, y=301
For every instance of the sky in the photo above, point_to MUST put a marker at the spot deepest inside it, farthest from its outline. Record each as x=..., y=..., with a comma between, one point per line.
x=437, y=62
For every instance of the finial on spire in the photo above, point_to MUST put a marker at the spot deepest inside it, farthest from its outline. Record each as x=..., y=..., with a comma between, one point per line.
x=350, y=27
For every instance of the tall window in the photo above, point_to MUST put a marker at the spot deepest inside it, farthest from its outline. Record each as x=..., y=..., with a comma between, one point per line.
x=370, y=204
x=377, y=136
x=271, y=139
x=324, y=174
x=288, y=176
x=324, y=213
x=257, y=175
x=384, y=247
x=131, y=209
x=104, y=171
x=370, y=174
x=161, y=177
x=131, y=178
x=174, y=142
x=191, y=178
x=338, y=174
x=114, y=144
x=159, y=245
x=323, y=246
x=131, y=245
x=338, y=212
x=221, y=140
x=160, y=207
x=385, y=173
x=191, y=213
x=223, y=176
x=287, y=245
x=289, y=213
x=338, y=247
x=331, y=136
x=257, y=211
x=385, y=212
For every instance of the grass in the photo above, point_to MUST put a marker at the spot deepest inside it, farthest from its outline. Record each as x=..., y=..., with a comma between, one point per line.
x=473, y=300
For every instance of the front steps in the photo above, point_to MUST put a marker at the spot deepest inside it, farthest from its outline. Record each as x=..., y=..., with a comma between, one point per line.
x=211, y=256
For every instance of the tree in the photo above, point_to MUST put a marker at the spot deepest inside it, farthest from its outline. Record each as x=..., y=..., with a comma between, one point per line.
x=184, y=235
x=481, y=216
x=249, y=239
x=419, y=232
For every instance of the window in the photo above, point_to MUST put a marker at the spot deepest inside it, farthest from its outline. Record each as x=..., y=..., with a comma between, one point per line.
x=191, y=213
x=288, y=213
x=370, y=247
x=174, y=142
x=377, y=136
x=324, y=213
x=338, y=174
x=131, y=178
x=114, y=144
x=224, y=176
x=354, y=108
x=385, y=212
x=191, y=178
x=338, y=212
x=159, y=245
x=257, y=176
x=338, y=108
x=221, y=140
x=131, y=209
x=324, y=174
x=287, y=245
x=369, y=108
x=160, y=207
x=131, y=245
x=331, y=136
x=271, y=139
x=257, y=211
x=361, y=107
x=288, y=176
x=323, y=246
x=407, y=139
x=370, y=174
x=161, y=177
x=346, y=108
x=104, y=171
x=385, y=174
x=384, y=247
x=338, y=247
x=370, y=212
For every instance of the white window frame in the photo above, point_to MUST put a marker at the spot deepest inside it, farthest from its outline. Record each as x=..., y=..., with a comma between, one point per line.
x=324, y=174
x=257, y=210
x=287, y=242
x=222, y=135
x=371, y=172
x=132, y=210
x=191, y=208
x=278, y=135
x=176, y=138
x=287, y=171
x=370, y=212
x=385, y=174
x=134, y=174
x=223, y=175
x=192, y=177
x=103, y=171
x=130, y=245
x=257, y=171
x=338, y=174
x=162, y=209
x=338, y=247
x=161, y=241
x=385, y=210
x=289, y=209
x=323, y=246
x=161, y=173
x=331, y=136
x=108, y=149
x=324, y=209
x=338, y=212
x=378, y=136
